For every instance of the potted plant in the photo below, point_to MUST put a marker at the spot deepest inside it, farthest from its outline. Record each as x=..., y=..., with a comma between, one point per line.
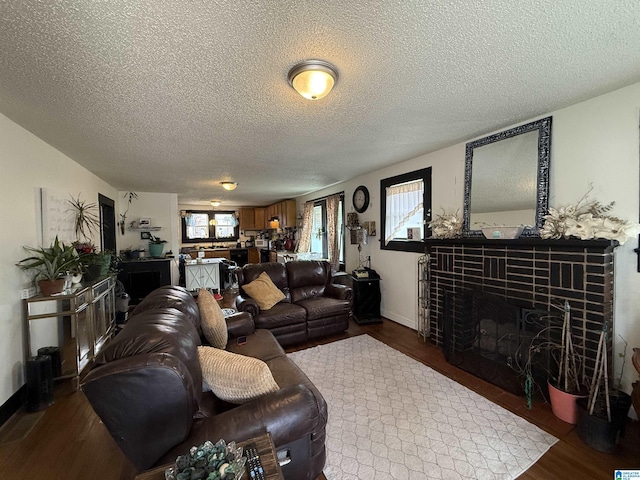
x=51, y=265
x=131, y=196
x=602, y=416
x=565, y=382
x=97, y=264
x=86, y=218
x=156, y=245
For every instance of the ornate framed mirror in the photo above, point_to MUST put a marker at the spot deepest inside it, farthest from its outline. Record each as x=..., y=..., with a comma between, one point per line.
x=506, y=179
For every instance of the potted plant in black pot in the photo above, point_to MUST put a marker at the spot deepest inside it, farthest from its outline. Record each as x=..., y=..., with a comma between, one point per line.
x=602, y=417
x=51, y=265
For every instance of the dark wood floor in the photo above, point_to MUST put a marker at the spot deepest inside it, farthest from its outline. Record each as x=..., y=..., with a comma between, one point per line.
x=71, y=443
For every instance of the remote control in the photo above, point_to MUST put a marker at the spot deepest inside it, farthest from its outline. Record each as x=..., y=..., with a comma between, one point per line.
x=254, y=465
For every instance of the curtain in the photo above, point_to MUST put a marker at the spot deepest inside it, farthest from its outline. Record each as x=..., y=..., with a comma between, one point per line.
x=403, y=202
x=333, y=202
x=305, y=234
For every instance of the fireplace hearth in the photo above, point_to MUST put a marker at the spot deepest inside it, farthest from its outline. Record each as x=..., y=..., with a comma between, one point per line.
x=490, y=297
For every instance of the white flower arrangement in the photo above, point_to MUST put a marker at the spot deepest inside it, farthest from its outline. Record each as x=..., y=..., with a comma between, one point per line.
x=585, y=220
x=447, y=225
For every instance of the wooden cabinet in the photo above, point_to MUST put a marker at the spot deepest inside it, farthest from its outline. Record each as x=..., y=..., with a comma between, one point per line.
x=285, y=211
x=254, y=255
x=247, y=218
x=252, y=218
x=259, y=217
x=78, y=321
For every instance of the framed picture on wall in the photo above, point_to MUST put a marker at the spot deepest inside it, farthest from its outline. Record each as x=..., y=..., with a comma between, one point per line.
x=145, y=235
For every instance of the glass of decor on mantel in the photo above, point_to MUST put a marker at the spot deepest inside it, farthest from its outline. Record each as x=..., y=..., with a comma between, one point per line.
x=221, y=461
x=446, y=225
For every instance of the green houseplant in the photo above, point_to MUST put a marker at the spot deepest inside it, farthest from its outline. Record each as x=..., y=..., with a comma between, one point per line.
x=156, y=245
x=51, y=265
x=86, y=218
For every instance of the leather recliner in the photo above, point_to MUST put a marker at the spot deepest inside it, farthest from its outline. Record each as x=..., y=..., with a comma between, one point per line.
x=146, y=387
x=313, y=306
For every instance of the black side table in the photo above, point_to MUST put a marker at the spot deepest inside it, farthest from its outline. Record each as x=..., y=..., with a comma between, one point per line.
x=366, y=300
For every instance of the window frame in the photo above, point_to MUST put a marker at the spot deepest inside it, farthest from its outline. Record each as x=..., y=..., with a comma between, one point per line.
x=418, y=246
x=212, y=228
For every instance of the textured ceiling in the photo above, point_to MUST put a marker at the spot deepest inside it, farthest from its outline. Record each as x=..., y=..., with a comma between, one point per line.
x=178, y=95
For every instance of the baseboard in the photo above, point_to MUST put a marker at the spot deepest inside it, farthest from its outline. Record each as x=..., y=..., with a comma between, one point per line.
x=12, y=405
x=400, y=319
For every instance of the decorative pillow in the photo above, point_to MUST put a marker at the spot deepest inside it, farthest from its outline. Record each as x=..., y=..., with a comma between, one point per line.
x=264, y=292
x=212, y=320
x=235, y=378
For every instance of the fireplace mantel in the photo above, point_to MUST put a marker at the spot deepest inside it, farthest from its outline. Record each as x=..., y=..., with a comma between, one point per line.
x=530, y=273
x=524, y=242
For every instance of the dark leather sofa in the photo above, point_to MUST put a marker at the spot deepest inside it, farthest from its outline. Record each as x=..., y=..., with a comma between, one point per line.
x=313, y=306
x=146, y=386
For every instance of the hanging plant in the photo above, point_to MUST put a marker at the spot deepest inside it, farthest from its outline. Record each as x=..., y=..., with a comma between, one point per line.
x=86, y=218
x=131, y=196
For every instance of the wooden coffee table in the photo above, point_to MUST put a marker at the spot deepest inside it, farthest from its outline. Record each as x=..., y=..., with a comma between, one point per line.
x=266, y=450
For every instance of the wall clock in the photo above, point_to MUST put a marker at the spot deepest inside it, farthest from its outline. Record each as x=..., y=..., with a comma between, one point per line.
x=361, y=199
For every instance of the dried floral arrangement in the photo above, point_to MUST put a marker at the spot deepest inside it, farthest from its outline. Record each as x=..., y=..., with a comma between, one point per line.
x=447, y=225
x=585, y=220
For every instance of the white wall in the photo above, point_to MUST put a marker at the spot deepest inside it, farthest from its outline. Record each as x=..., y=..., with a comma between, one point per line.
x=595, y=141
x=162, y=210
x=27, y=164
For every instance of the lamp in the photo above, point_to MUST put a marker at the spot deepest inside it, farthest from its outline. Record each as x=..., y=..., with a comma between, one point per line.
x=274, y=222
x=313, y=79
x=215, y=203
x=229, y=185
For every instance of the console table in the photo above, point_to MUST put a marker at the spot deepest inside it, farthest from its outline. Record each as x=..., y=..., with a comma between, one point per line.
x=78, y=321
x=266, y=451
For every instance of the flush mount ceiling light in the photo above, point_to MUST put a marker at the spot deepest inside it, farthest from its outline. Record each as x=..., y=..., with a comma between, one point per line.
x=215, y=203
x=313, y=79
x=229, y=185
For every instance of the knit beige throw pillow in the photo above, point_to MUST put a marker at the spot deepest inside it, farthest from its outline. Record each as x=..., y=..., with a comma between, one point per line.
x=212, y=320
x=264, y=292
x=235, y=378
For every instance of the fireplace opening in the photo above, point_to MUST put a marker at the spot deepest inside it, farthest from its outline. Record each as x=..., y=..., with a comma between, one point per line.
x=490, y=338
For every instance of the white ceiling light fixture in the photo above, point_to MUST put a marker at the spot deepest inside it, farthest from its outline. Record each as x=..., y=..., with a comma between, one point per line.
x=229, y=185
x=313, y=79
x=215, y=203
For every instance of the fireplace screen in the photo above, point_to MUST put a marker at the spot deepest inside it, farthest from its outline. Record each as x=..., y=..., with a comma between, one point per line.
x=490, y=338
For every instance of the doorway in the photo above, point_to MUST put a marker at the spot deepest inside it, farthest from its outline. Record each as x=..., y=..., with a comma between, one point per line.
x=107, y=223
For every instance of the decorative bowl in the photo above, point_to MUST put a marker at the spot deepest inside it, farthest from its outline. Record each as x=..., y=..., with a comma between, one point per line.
x=502, y=232
x=220, y=461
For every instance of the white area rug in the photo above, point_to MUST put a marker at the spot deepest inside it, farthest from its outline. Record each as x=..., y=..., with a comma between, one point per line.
x=391, y=417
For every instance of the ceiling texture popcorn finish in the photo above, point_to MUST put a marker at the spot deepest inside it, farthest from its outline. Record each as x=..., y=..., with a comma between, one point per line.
x=178, y=96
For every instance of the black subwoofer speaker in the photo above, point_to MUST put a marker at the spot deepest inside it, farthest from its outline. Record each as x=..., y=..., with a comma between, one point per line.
x=39, y=383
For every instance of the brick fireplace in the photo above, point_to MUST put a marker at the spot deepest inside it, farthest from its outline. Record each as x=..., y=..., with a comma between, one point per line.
x=518, y=278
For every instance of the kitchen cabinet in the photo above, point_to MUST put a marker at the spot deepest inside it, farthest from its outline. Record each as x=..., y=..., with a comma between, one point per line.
x=78, y=321
x=285, y=211
x=247, y=218
x=202, y=275
x=259, y=217
x=254, y=255
x=252, y=218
